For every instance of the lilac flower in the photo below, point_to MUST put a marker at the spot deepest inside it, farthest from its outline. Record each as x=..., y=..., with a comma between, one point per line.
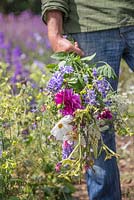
x=66, y=69
x=67, y=148
x=55, y=83
x=90, y=97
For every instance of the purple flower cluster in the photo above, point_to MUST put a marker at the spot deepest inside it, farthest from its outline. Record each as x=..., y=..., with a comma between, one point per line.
x=102, y=86
x=5, y=49
x=94, y=72
x=86, y=78
x=17, y=48
x=90, y=97
x=67, y=69
x=16, y=61
x=55, y=83
x=67, y=148
x=2, y=39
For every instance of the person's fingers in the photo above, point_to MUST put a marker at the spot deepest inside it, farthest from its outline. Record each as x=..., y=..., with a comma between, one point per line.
x=72, y=48
x=78, y=50
x=76, y=44
x=67, y=46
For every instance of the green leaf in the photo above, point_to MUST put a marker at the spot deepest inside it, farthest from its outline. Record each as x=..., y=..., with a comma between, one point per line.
x=13, y=198
x=106, y=70
x=109, y=73
x=72, y=80
x=62, y=63
x=68, y=162
x=60, y=56
x=51, y=66
x=76, y=85
x=16, y=180
x=88, y=58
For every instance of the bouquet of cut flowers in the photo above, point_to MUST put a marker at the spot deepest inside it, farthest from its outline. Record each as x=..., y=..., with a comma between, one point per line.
x=84, y=105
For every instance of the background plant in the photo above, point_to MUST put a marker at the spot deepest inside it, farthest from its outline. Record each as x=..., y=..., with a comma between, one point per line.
x=8, y=6
x=27, y=157
x=27, y=169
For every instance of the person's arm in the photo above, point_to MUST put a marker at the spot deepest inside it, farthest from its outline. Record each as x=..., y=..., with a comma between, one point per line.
x=57, y=41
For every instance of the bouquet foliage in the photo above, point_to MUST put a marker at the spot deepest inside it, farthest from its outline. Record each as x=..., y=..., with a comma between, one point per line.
x=84, y=105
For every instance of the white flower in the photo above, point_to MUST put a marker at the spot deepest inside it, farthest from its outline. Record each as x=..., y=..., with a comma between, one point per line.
x=62, y=128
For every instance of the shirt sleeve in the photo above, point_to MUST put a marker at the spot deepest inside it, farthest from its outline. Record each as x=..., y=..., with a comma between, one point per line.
x=61, y=5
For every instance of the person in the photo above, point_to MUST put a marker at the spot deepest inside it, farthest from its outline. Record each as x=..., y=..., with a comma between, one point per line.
x=107, y=28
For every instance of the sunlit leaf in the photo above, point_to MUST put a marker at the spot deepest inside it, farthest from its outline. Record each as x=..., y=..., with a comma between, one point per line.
x=88, y=58
x=59, y=56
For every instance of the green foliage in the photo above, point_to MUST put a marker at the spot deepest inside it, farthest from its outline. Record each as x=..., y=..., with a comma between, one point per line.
x=27, y=156
x=8, y=6
x=107, y=71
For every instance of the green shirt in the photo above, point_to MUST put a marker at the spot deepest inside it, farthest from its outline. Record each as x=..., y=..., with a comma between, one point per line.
x=92, y=15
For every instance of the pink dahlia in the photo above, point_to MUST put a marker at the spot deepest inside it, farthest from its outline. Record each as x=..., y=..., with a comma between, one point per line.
x=70, y=101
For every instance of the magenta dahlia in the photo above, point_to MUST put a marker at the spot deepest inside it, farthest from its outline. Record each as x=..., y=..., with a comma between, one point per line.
x=70, y=101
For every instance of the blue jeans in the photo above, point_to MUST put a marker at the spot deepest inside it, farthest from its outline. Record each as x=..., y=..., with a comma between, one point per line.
x=110, y=46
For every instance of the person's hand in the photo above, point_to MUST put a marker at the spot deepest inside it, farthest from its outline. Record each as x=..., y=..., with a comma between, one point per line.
x=57, y=41
x=61, y=44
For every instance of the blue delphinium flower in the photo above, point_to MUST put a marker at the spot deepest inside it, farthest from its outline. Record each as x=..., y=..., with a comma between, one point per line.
x=2, y=39
x=67, y=148
x=86, y=78
x=108, y=103
x=67, y=69
x=8, y=53
x=94, y=72
x=90, y=97
x=55, y=83
x=103, y=87
x=19, y=73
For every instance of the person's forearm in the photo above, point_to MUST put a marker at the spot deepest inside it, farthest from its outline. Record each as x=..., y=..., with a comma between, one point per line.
x=57, y=41
x=54, y=24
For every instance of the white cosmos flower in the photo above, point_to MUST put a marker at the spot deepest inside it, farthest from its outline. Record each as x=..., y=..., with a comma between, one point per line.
x=61, y=130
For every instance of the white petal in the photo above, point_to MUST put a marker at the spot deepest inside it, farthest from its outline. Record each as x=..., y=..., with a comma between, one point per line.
x=61, y=133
